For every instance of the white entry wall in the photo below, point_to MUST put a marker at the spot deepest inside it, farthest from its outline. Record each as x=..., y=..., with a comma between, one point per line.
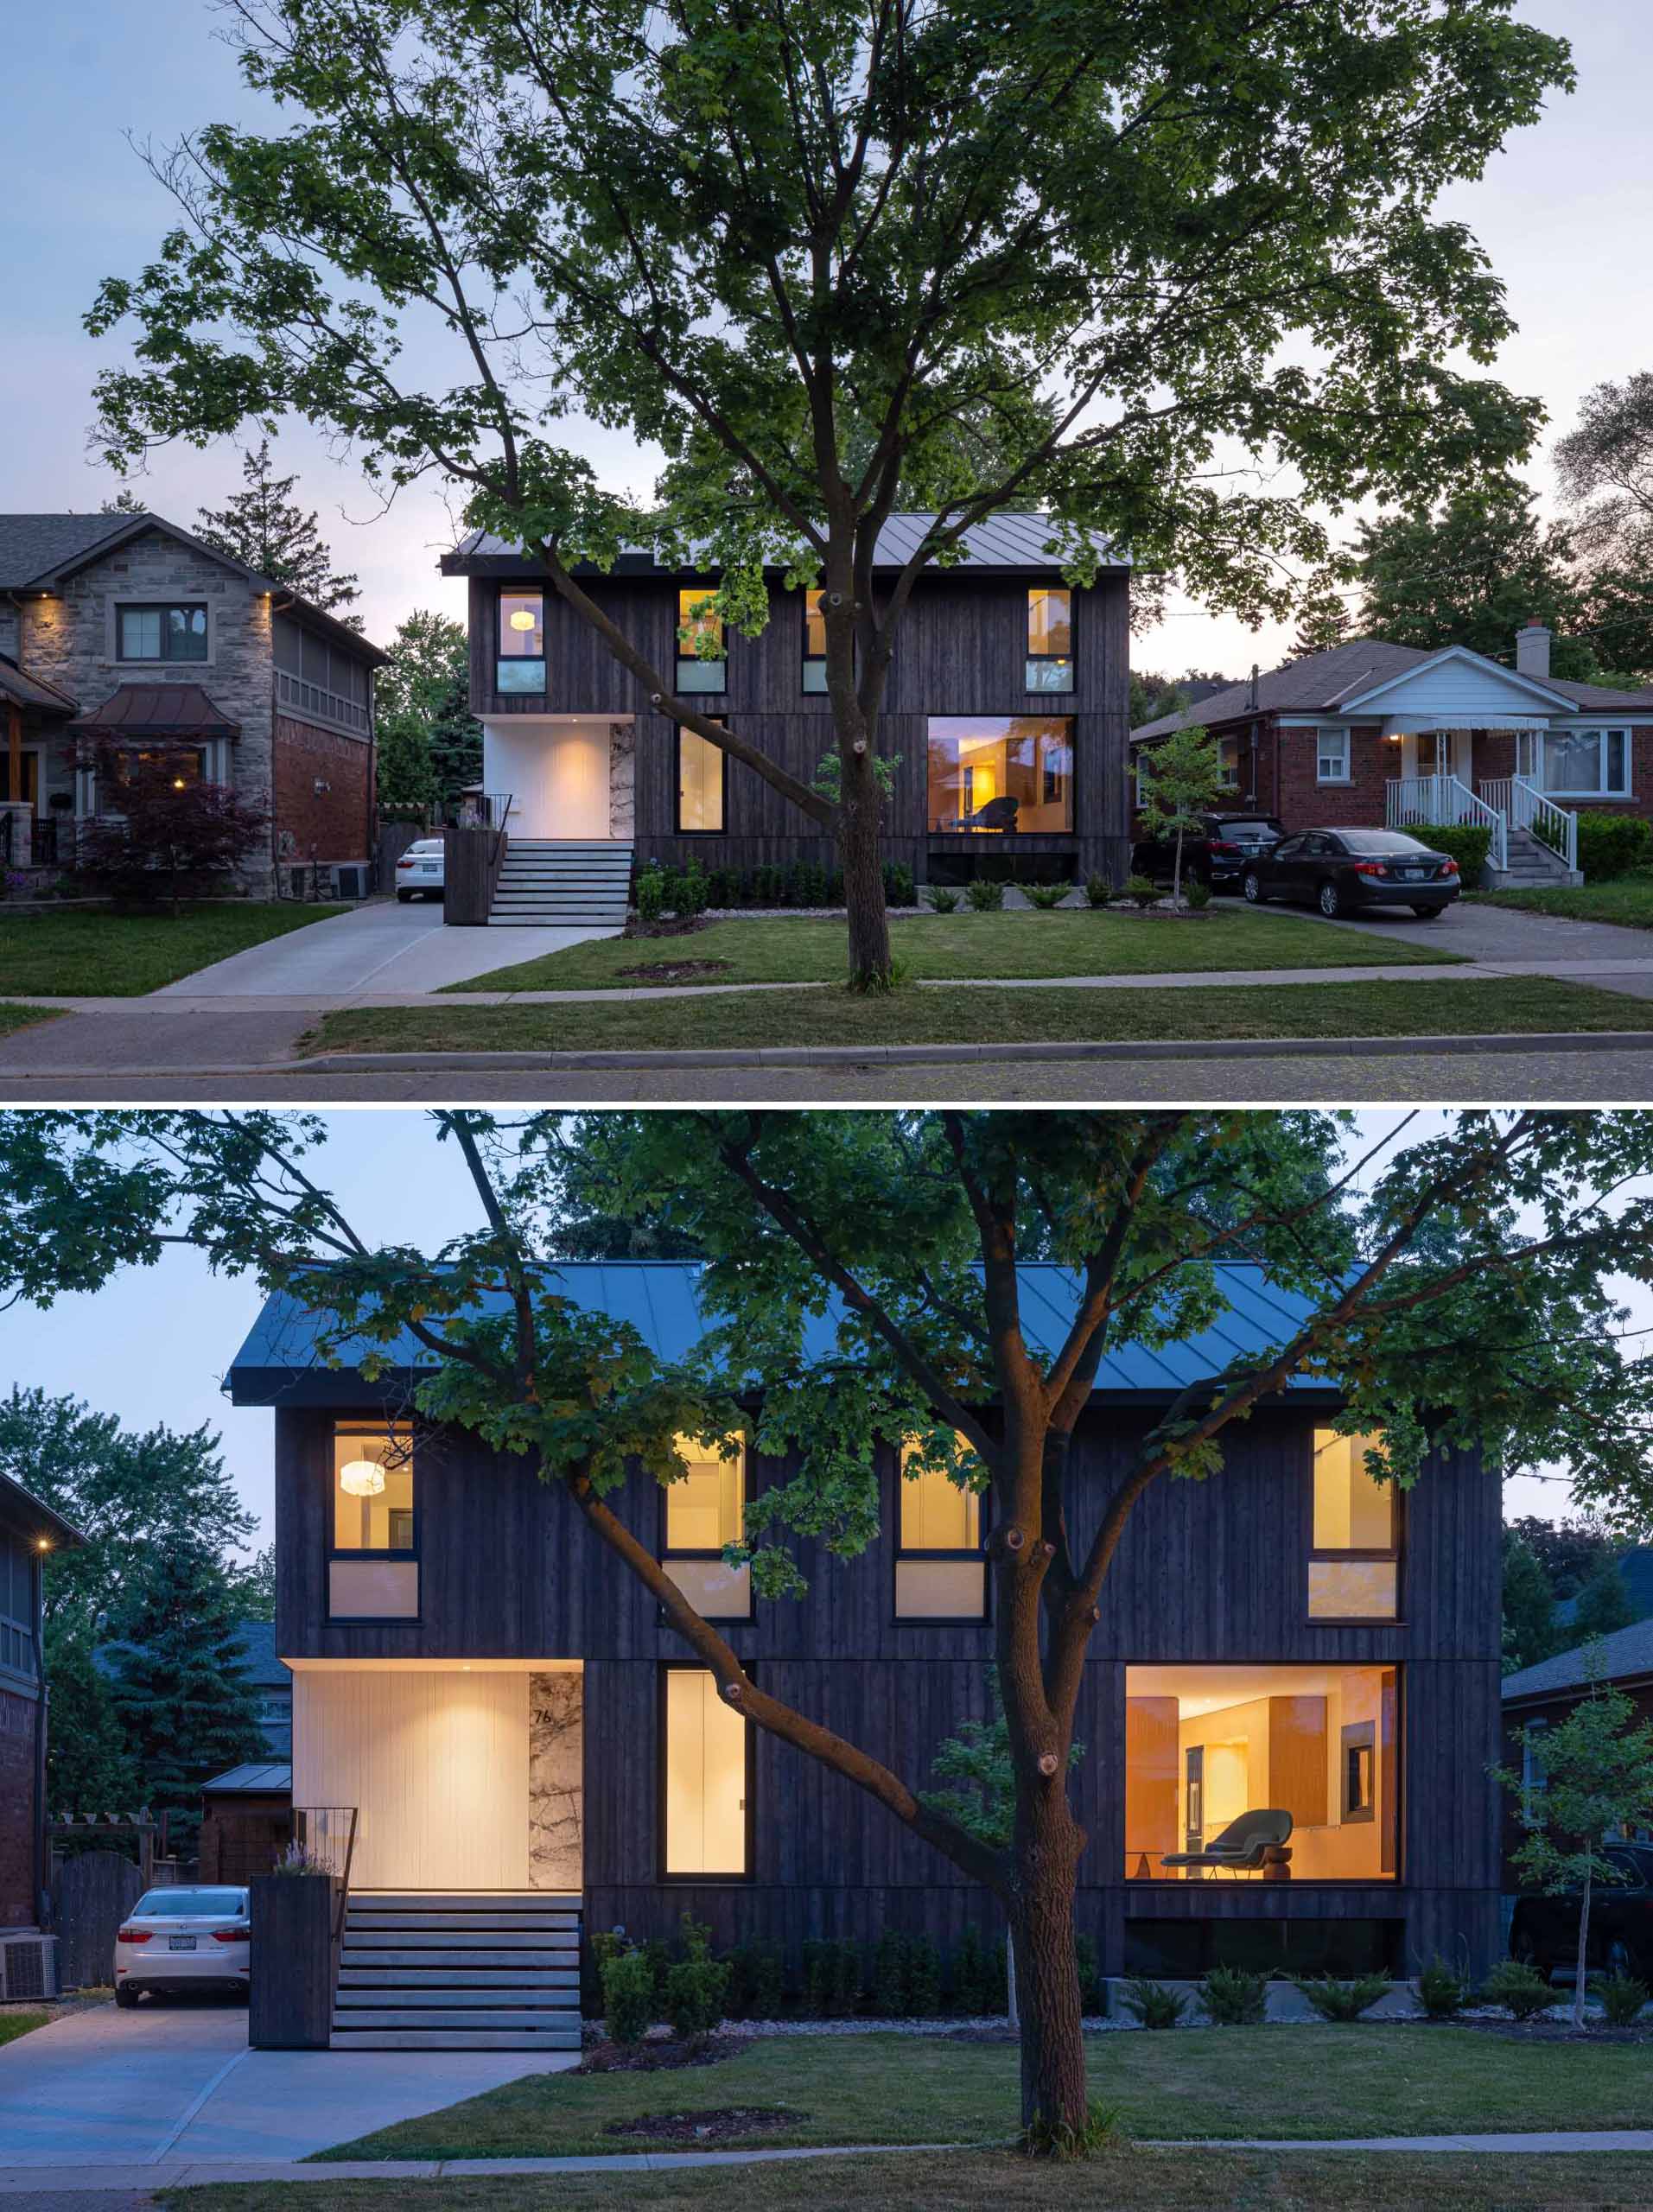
x=555, y=774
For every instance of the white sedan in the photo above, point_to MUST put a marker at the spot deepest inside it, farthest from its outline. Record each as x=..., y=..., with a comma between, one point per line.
x=420, y=869
x=183, y=1938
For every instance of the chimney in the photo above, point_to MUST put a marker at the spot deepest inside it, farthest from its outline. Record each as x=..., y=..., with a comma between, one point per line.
x=1532, y=652
x=1251, y=690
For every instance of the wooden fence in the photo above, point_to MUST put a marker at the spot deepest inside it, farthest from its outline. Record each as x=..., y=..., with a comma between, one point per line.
x=91, y=1894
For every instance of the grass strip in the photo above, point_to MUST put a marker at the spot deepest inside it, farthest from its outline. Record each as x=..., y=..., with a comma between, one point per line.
x=24, y=1017
x=941, y=947
x=1505, y=1007
x=1627, y=900
x=13, y=2024
x=86, y=954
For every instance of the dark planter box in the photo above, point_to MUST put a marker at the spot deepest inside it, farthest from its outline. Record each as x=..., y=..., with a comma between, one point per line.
x=291, y=2005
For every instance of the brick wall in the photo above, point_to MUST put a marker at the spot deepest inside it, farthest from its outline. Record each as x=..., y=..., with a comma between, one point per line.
x=332, y=824
x=16, y=1810
x=1304, y=803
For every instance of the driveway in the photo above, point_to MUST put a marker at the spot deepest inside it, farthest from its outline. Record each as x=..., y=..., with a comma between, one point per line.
x=175, y=2081
x=383, y=944
x=1498, y=936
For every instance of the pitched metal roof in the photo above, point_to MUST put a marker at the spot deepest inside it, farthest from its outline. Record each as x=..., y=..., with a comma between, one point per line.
x=1321, y=683
x=661, y=1301
x=1006, y=541
x=27, y=690
x=137, y=711
x=272, y=1778
x=1627, y=1653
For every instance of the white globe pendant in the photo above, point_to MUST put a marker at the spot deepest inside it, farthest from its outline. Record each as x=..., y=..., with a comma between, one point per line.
x=361, y=1477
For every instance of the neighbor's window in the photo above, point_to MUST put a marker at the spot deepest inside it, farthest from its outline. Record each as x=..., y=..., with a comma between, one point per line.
x=993, y=773
x=702, y=781
x=701, y=665
x=372, y=1486
x=16, y=1608
x=521, y=663
x=814, y=676
x=1223, y=1762
x=1228, y=748
x=1587, y=763
x=163, y=633
x=1049, y=639
x=182, y=765
x=1332, y=757
x=1354, y=1565
x=704, y=1510
x=1534, y=1777
x=940, y=1571
x=704, y=1782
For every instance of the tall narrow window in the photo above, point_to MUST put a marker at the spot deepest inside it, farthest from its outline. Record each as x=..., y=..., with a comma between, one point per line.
x=521, y=662
x=815, y=677
x=1049, y=639
x=1354, y=1566
x=940, y=1572
x=1332, y=757
x=702, y=781
x=705, y=1510
x=701, y=665
x=704, y=1747
x=373, y=1570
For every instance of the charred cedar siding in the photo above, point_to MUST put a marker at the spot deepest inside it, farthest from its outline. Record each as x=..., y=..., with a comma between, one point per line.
x=961, y=650
x=1209, y=1573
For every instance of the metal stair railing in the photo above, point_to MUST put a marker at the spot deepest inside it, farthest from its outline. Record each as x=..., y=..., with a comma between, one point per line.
x=1527, y=808
x=1415, y=802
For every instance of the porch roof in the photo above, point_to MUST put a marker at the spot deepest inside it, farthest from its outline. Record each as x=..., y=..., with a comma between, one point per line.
x=136, y=712
x=24, y=689
x=280, y=1362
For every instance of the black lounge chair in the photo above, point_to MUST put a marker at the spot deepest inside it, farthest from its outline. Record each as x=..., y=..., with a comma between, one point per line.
x=1243, y=1846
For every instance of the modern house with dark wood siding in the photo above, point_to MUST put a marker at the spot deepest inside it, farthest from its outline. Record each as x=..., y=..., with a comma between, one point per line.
x=1006, y=711
x=29, y=1532
x=504, y=1719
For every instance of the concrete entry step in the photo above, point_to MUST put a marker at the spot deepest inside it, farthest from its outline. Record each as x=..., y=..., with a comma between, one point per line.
x=562, y=1922
x=459, y=1970
x=564, y=1959
x=449, y=2040
x=468, y=1901
x=468, y=1976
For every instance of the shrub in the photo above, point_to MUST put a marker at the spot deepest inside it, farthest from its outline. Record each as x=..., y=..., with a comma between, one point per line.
x=696, y=1990
x=757, y=1982
x=889, y=1975
x=627, y=1996
x=831, y=1978
x=942, y=901
x=1097, y=891
x=1234, y=1999
x=1047, y=897
x=979, y=1986
x=1468, y=842
x=1093, y=1997
x=1520, y=1989
x=1622, y=1998
x=651, y=893
x=299, y=1859
x=163, y=841
x=1344, y=2000
x=985, y=898
x=900, y=889
x=1612, y=845
x=1197, y=892
x=1142, y=891
x=1101, y=2130
x=923, y=1978
x=1442, y=1991
x=1154, y=2006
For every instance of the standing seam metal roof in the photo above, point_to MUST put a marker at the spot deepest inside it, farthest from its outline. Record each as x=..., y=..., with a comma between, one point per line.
x=1005, y=541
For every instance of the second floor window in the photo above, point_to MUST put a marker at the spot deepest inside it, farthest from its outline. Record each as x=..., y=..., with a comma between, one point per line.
x=520, y=664
x=814, y=673
x=372, y=1487
x=701, y=665
x=705, y=1509
x=169, y=632
x=1354, y=1566
x=940, y=1570
x=702, y=781
x=1049, y=639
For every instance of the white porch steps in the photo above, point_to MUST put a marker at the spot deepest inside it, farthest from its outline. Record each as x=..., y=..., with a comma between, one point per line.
x=465, y=1970
x=569, y=882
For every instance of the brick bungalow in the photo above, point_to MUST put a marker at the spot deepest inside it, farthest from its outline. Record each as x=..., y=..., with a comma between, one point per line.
x=1371, y=734
x=1540, y=1696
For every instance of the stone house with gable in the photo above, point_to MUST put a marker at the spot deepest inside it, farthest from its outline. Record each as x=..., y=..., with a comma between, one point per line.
x=125, y=632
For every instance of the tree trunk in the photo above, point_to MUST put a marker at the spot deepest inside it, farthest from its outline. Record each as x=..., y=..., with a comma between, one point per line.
x=1584, y=1953
x=863, y=874
x=1046, y=1971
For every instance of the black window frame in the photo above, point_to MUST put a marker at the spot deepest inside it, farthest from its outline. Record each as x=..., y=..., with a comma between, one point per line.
x=666, y=1552
x=808, y=660
x=680, y=730
x=664, y=1874
x=901, y=1552
x=693, y=660
x=1356, y=1555
x=984, y=839
x=502, y=659
x=393, y=1555
x=164, y=607
x=1031, y=658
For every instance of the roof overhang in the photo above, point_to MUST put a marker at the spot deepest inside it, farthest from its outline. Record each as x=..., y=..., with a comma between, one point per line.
x=45, y=1528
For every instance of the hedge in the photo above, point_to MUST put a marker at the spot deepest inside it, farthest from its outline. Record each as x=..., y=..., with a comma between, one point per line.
x=1467, y=841
x=1614, y=844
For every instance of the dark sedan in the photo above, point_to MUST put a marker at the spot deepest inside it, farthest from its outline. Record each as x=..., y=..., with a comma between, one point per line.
x=1344, y=871
x=1216, y=853
x=1545, y=1929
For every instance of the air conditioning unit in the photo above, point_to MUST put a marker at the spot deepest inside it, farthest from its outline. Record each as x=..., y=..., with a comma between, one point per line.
x=351, y=882
x=28, y=1967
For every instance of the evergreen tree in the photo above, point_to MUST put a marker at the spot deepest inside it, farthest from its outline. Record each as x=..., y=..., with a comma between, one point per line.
x=125, y=502
x=1603, y=1605
x=262, y=527
x=90, y=1765
x=1529, y=1630
x=179, y=1689
x=1322, y=619
x=429, y=742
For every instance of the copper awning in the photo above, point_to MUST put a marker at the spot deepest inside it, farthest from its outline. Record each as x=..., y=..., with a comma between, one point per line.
x=137, y=713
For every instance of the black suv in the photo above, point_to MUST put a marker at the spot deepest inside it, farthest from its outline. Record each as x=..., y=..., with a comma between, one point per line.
x=1545, y=1929
x=1216, y=853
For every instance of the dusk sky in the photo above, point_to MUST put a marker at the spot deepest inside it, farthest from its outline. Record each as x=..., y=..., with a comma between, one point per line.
x=154, y=1346
x=1563, y=212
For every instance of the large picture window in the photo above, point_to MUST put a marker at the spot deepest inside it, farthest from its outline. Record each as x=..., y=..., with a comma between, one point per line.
x=163, y=633
x=702, y=782
x=996, y=773
x=1354, y=1566
x=1227, y=1767
x=521, y=663
x=705, y=1510
x=373, y=1569
x=704, y=1779
x=701, y=665
x=940, y=1571
x=1587, y=763
x=1049, y=639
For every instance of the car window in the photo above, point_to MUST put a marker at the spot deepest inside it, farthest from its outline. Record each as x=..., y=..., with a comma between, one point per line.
x=1254, y=832
x=1627, y=1866
x=1317, y=843
x=190, y=1904
x=1289, y=848
x=1380, y=841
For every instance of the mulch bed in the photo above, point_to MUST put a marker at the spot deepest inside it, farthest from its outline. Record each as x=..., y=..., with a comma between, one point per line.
x=723, y=2124
x=676, y=925
x=1558, y=2031
x=676, y=971
x=981, y=2035
x=660, y=2053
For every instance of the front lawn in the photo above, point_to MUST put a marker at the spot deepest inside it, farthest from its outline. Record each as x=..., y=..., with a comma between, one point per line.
x=938, y=1015
x=1297, y=2082
x=943, y=946
x=1627, y=899
x=1127, y=2180
x=91, y=953
x=13, y=2024
x=23, y=1017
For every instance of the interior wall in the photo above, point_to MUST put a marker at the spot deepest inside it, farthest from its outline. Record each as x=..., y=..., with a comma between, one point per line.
x=556, y=775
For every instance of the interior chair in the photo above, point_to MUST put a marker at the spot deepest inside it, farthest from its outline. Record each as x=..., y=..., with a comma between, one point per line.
x=1242, y=1846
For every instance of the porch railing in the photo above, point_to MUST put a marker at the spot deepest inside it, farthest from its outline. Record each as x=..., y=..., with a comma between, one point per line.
x=328, y=1832
x=1526, y=807
x=1415, y=802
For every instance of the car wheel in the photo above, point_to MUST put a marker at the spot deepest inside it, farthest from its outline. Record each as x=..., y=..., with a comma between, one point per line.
x=126, y=1996
x=403, y=898
x=1429, y=913
x=1330, y=901
x=1252, y=887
